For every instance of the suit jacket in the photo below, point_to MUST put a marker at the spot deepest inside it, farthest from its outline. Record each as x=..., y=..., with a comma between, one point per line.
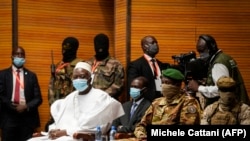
x=127, y=123
x=141, y=67
x=9, y=116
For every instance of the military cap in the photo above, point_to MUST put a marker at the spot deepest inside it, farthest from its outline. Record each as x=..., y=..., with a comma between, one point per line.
x=226, y=83
x=173, y=74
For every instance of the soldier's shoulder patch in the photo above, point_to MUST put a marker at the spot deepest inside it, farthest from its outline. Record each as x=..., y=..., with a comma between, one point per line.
x=191, y=109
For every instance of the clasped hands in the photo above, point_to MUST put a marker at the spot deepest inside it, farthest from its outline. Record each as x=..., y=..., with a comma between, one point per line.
x=56, y=133
x=19, y=107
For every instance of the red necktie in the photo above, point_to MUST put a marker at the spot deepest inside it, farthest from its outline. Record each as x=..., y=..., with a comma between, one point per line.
x=17, y=88
x=154, y=67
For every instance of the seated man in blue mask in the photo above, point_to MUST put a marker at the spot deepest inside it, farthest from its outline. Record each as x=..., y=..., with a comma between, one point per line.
x=134, y=109
x=82, y=110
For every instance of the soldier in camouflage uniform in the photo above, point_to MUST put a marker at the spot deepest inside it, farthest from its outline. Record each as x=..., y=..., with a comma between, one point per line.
x=107, y=72
x=174, y=108
x=60, y=82
x=228, y=110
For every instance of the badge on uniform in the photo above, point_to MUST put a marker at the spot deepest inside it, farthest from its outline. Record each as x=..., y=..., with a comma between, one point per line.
x=191, y=109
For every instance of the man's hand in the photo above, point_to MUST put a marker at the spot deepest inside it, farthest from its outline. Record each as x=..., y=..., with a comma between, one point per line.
x=193, y=85
x=56, y=133
x=19, y=107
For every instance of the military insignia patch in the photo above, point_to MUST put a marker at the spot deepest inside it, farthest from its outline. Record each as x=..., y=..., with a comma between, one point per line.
x=191, y=109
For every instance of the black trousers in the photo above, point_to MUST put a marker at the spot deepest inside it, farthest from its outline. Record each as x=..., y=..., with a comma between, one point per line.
x=16, y=132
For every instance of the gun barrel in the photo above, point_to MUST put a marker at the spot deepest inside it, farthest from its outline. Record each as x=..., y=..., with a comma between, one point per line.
x=52, y=66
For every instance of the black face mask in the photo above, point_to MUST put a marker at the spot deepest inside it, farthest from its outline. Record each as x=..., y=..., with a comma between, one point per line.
x=152, y=50
x=69, y=49
x=101, y=55
x=69, y=55
x=101, y=43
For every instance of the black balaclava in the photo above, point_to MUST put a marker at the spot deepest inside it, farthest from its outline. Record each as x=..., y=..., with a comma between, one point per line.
x=69, y=49
x=101, y=43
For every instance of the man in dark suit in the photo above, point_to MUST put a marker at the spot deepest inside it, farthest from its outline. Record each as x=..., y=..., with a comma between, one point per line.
x=134, y=109
x=20, y=98
x=148, y=66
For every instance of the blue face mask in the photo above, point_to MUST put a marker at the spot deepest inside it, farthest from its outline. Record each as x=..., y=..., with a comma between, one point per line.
x=135, y=93
x=80, y=84
x=18, y=61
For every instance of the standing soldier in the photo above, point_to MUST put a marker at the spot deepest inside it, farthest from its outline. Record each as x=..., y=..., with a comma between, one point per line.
x=61, y=74
x=107, y=72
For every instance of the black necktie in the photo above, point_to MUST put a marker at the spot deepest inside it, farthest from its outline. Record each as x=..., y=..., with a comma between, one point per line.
x=154, y=68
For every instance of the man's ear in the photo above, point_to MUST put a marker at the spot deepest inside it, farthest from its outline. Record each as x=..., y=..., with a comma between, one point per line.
x=89, y=80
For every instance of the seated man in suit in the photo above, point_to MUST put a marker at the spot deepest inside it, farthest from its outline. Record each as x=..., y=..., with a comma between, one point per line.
x=134, y=109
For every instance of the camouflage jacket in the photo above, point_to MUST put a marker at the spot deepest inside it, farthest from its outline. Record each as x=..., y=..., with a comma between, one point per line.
x=108, y=75
x=184, y=110
x=60, y=84
x=214, y=115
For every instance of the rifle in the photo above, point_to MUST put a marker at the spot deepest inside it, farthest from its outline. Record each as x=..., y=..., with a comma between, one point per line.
x=52, y=66
x=51, y=95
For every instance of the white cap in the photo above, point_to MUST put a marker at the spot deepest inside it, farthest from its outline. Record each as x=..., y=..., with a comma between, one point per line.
x=83, y=65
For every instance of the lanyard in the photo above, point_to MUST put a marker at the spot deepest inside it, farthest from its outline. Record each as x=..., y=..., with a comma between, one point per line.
x=61, y=66
x=18, y=79
x=96, y=63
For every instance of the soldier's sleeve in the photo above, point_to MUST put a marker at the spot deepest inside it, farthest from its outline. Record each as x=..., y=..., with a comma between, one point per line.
x=205, y=117
x=117, y=86
x=51, y=94
x=191, y=112
x=51, y=87
x=140, y=129
x=244, y=116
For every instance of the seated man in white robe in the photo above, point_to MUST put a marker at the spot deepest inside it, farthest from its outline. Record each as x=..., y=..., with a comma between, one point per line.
x=82, y=110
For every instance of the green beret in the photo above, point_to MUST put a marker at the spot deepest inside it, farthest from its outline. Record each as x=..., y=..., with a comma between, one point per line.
x=173, y=74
